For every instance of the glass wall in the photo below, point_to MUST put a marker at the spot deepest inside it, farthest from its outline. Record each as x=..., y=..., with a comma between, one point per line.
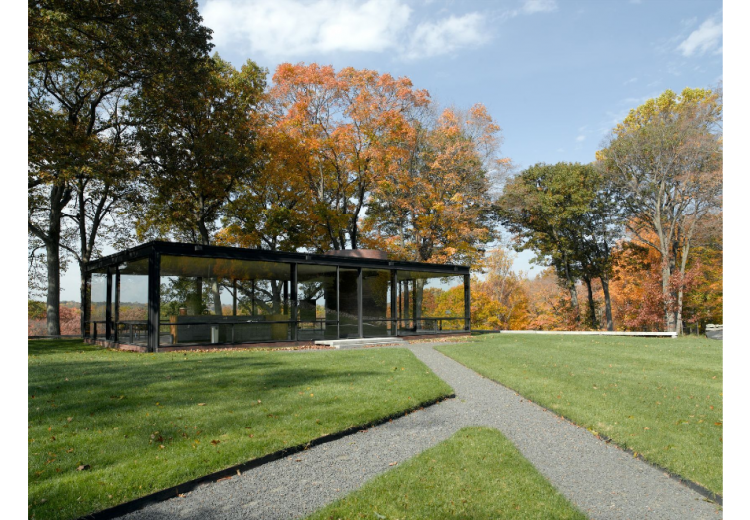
x=130, y=301
x=317, y=308
x=97, y=312
x=348, y=303
x=430, y=303
x=222, y=301
x=376, y=304
x=216, y=300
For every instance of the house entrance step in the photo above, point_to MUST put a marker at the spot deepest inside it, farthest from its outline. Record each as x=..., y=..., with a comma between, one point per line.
x=359, y=342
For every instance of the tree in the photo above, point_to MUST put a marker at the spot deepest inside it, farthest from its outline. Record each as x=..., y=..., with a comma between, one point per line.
x=85, y=60
x=549, y=305
x=275, y=212
x=352, y=128
x=197, y=144
x=499, y=301
x=565, y=213
x=437, y=207
x=665, y=160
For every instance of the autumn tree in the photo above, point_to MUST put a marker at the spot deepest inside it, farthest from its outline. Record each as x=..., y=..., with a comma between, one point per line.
x=499, y=301
x=548, y=304
x=352, y=128
x=275, y=211
x=665, y=159
x=437, y=206
x=85, y=61
x=567, y=214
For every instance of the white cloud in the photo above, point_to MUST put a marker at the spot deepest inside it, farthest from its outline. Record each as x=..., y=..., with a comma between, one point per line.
x=631, y=80
x=705, y=38
x=447, y=35
x=291, y=27
x=581, y=138
x=298, y=28
x=539, y=6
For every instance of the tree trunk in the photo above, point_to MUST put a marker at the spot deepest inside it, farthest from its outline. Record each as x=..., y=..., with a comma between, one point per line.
x=572, y=289
x=53, y=286
x=666, y=293
x=215, y=294
x=59, y=197
x=607, y=303
x=84, y=297
x=681, y=288
x=592, y=310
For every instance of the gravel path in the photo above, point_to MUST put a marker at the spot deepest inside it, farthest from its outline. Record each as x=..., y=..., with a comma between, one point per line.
x=603, y=481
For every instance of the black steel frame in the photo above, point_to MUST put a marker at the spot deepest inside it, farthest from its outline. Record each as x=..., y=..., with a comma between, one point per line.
x=155, y=249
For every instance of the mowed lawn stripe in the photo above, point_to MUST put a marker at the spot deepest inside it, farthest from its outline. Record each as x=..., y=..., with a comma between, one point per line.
x=477, y=474
x=138, y=423
x=661, y=398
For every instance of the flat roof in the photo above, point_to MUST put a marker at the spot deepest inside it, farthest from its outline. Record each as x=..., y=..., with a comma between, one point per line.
x=239, y=253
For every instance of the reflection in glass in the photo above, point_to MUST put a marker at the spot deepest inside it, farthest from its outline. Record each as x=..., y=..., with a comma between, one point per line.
x=131, y=302
x=430, y=303
x=317, y=302
x=376, y=303
x=348, y=304
x=218, y=300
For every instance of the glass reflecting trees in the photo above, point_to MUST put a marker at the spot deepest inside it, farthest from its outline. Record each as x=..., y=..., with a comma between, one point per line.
x=163, y=295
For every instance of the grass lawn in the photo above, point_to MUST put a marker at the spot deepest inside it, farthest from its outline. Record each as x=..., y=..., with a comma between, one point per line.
x=144, y=422
x=475, y=474
x=660, y=397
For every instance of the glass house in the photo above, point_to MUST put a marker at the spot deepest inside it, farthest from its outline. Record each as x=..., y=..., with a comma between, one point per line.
x=169, y=296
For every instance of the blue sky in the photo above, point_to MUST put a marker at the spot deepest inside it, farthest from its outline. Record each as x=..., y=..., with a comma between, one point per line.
x=556, y=75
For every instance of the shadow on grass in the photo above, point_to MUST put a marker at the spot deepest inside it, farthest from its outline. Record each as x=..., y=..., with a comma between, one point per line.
x=45, y=347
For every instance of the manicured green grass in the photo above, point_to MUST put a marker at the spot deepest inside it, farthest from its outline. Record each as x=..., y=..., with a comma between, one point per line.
x=660, y=397
x=144, y=422
x=475, y=474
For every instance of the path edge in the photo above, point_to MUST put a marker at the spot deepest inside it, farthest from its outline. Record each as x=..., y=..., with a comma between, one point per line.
x=237, y=469
x=701, y=490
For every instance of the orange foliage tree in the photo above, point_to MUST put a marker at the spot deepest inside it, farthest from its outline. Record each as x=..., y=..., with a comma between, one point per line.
x=351, y=129
x=500, y=301
x=549, y=305
x=436, y=206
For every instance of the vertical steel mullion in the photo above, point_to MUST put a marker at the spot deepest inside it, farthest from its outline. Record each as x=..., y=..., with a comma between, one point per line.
x=234, y=298
x=108, y=307
x=400, y=304
x=360, y=325
x=117, y=304
x=467, y=302
x=394, y=302
x=338, y=311
x=293, y=283
x=154, y=303
x=86, y=306
x=414, y=304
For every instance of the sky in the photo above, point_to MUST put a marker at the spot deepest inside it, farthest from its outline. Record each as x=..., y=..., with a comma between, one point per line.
x=556, y=75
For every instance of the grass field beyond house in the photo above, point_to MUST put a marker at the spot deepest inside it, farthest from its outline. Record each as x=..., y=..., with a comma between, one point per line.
x=660, y=397
x=476, y=474
x=137, y=423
